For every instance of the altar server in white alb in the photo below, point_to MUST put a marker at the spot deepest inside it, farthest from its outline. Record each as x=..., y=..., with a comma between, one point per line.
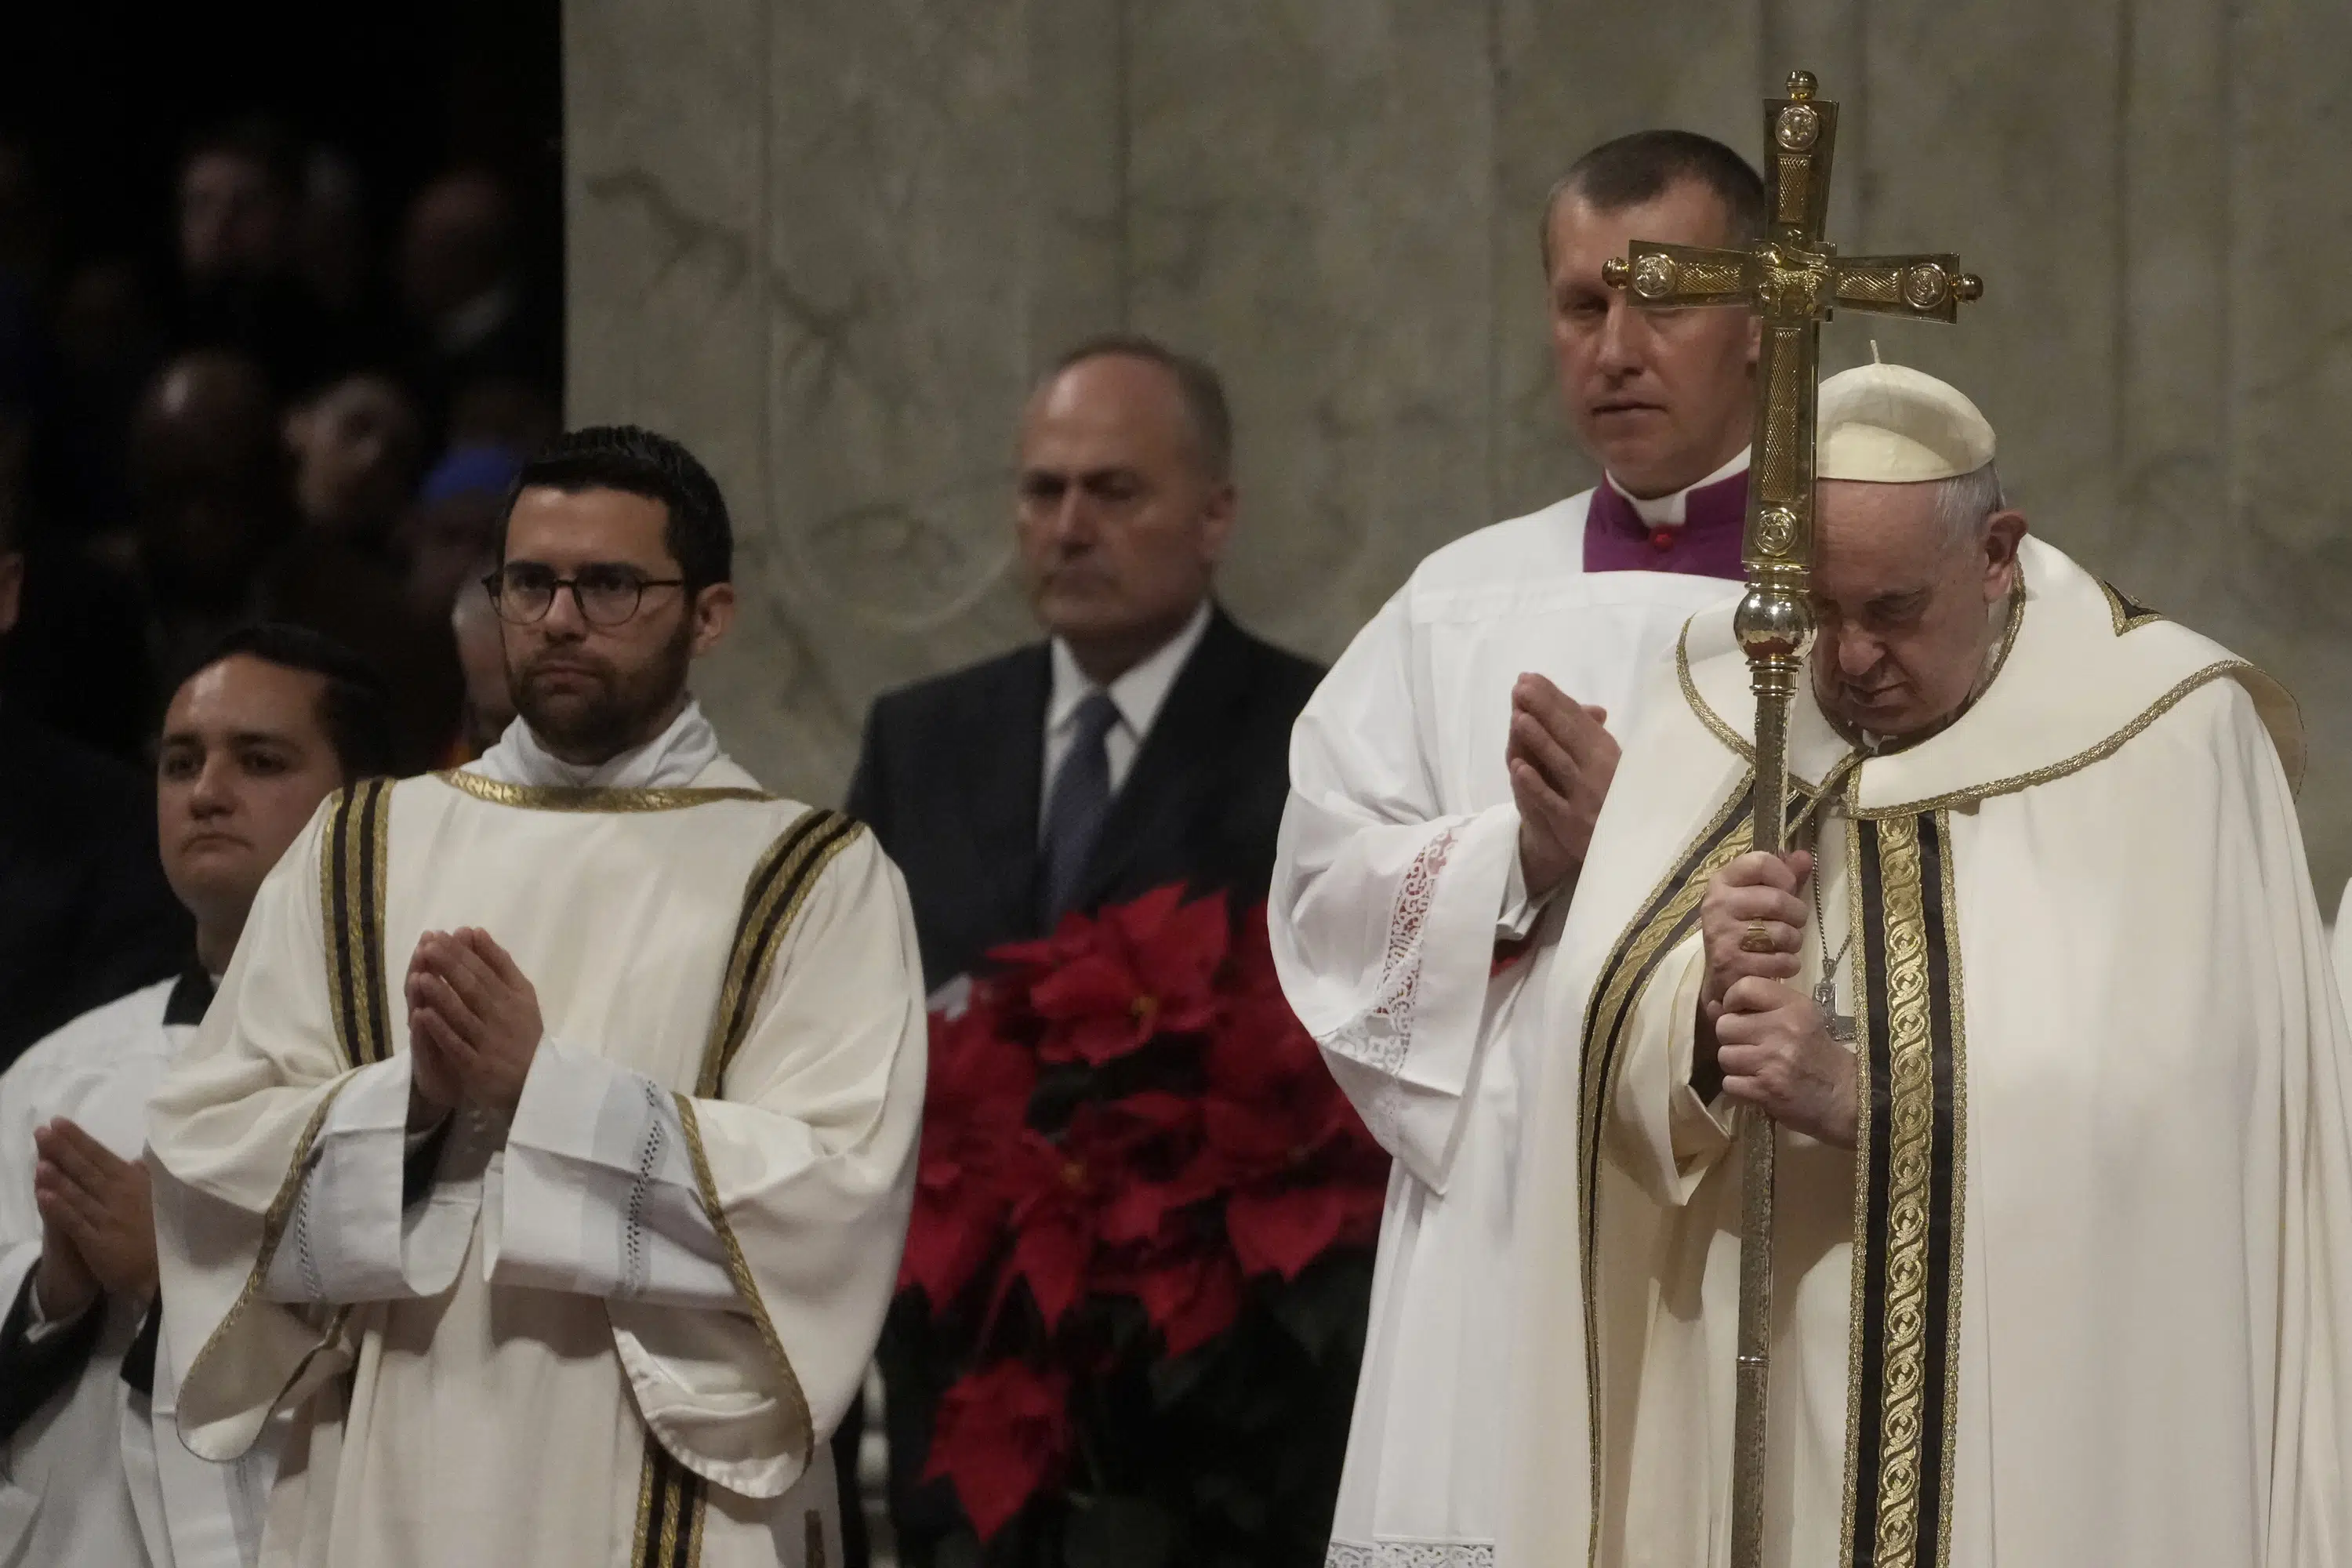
x=1444, y=781
x=548, y=1147
x=92, y=1472
x=2063, y=1253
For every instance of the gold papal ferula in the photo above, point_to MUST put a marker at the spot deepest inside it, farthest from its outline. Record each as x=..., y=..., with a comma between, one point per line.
x=1655, y=277
x=1776, y=530
x=1798, y=127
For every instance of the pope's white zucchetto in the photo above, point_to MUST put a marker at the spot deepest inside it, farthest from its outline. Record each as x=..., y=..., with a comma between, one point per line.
x=1891, y=425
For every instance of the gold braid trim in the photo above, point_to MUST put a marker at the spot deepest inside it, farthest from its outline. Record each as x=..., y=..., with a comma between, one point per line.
x=746, y=1287
x=1910, y=1198
x=773, y=896
x=1742, y=748
x=2128, y=613
x=1659, y=914
x=671, y=1503
x=1858, y=1309
x=2083, y=758
x=1910, y=1137
x=551, y=797
x=353, y=862
x=273, y=1230
x=1957, y=1214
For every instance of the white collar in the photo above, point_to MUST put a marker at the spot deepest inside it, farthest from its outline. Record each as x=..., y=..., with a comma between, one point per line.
x=1139, y=694
x=1668, y=511
x=671, y=760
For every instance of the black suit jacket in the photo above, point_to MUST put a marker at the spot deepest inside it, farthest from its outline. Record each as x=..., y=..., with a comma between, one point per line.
x=951, y=782
x=85, y=913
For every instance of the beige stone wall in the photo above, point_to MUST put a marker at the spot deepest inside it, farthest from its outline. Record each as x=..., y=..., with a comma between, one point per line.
x=827, y=242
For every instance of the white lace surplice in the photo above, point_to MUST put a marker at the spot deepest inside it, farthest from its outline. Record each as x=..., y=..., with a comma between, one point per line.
x=1396, y=879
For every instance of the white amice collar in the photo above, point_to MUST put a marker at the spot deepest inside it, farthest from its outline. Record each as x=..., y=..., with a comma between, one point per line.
x=672, y=760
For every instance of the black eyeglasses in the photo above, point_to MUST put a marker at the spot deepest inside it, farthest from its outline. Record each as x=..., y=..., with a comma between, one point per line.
x=607, y=593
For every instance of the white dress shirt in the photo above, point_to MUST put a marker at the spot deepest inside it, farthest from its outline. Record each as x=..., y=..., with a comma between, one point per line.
x=1139, y=695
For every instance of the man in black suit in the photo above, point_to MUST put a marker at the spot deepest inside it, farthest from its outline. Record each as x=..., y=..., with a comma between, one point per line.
x=1145, y=742
x=1177, y=721
x=85, y=913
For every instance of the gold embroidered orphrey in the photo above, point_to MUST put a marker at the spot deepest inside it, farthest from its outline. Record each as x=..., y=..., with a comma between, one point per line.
x=1794, y=280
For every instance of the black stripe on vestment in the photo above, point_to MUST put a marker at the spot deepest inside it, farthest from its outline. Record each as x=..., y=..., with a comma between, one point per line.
x=1907, y=1301
x=374, y=821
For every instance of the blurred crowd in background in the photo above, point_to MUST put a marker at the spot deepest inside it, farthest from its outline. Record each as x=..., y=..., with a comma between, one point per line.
x=272, y=372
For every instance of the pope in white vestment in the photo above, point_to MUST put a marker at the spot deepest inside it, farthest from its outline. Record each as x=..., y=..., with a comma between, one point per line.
x=1397, y=875
x=2081, y=1289
x=618, y=1330
x=100, y=1477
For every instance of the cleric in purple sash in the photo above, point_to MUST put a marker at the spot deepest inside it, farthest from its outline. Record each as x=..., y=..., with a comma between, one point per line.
x=1444, y=780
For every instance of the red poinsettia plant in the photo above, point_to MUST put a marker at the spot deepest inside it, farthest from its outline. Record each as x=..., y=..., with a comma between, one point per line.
x=1141, y=1242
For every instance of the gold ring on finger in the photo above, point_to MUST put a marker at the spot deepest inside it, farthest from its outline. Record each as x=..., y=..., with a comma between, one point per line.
x=1758, y=938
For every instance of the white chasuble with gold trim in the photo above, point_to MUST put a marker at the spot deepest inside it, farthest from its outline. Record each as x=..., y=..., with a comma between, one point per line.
x=619, y=1329
x=2083, y=1292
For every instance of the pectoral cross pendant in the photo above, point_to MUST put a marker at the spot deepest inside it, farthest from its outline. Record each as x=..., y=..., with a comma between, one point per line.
x=1841, y=1024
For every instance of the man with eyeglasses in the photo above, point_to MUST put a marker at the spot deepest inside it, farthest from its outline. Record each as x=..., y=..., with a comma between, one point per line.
x=548, y=1152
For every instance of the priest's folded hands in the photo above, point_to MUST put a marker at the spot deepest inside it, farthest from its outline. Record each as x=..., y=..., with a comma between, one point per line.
x=98, y=1225
x=1560, y=761
x=1760, y=1040
x=473, y=1025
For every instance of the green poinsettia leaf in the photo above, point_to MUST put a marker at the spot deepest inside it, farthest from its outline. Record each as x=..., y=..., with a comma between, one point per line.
x=1244, y=1505
x=1111, y=1531
x=1324, y=1307
x=1178, y=1378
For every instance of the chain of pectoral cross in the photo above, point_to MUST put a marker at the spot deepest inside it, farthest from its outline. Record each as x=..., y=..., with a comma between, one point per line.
x=1841, y=1026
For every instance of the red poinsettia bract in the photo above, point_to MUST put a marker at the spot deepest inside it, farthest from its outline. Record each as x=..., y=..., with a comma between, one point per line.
x=1108, y=1183
x=1300, y=1174
x=1002, y=1435
x=1185, y=1277
x=1105, y=987
x=980, y=1087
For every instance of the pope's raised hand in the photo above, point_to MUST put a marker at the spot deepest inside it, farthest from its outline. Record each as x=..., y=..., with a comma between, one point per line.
x=1752, y=921
x=471, y=1007
x=1776, y=1054
x=1560, y=759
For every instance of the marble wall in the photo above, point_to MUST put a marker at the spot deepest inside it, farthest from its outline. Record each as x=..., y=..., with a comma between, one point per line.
x=827, y=242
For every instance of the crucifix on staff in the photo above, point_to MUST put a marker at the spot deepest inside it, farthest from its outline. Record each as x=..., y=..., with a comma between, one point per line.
x=1793, y=279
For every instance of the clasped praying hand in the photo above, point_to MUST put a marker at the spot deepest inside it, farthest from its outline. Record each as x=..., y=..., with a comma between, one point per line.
x=98, y=1222
x=1560, y=760
x=473, y=1025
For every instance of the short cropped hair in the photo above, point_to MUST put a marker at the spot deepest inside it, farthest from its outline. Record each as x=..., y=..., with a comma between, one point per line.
x=1965, y=502
x=642, y=463
x=1641, y=167
x=355, y=709
x=1198, y=385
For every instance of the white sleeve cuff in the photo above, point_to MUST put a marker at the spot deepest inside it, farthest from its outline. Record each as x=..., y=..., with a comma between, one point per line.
x=1698, y=1136
x=1519, y=912
x=19, y=1266
x=596, y=1194
x=350, y=1239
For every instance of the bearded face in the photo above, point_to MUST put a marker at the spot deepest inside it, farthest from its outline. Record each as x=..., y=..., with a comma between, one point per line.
x=584, y=701
x=598, y=625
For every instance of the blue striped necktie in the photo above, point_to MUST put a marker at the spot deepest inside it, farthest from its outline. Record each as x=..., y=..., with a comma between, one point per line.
x=1081, y=799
